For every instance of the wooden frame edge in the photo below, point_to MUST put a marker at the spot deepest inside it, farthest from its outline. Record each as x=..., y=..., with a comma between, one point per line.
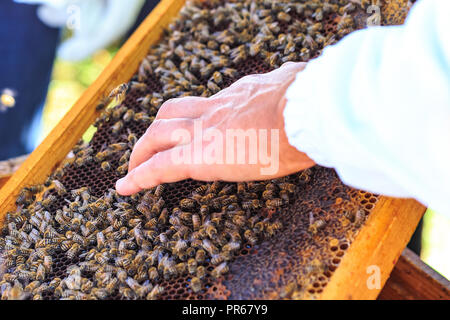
x=413, y=279
x=379, y=243
x=396, y=218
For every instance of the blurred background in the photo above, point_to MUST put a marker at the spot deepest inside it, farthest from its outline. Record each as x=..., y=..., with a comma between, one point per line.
x=53, y=50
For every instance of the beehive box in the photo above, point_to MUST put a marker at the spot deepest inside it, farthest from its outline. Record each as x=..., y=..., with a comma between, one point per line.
x=332, y=263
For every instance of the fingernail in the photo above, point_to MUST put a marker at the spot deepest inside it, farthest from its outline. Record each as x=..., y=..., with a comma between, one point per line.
x=120, y=183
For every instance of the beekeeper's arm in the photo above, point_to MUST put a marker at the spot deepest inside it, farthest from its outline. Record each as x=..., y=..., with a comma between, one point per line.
x=376, y=107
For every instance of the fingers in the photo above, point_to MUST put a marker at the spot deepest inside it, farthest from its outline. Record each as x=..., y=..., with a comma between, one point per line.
x=187, y=107
x=161, y=135
x=162, y=167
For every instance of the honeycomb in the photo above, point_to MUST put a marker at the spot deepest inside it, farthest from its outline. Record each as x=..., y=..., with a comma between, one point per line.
x=296, y=263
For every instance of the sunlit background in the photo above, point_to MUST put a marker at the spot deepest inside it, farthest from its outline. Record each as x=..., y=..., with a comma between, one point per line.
x=70, y=79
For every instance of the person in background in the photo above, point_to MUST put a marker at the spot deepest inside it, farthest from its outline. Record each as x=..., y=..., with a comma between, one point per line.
x=375, y=107
x=29, y=37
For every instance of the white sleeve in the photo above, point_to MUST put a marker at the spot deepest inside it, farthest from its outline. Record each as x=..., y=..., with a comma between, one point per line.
x=376, y=107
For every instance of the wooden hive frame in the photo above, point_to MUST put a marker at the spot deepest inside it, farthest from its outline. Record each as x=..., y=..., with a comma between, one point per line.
x=379, y=243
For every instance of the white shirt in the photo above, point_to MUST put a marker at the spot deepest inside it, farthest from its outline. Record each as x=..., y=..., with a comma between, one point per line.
x=376, y=107
x=95, y=24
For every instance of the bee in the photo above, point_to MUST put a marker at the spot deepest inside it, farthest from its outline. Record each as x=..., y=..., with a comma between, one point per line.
x=145, y=69
x=102, y=155
x=217, y=258
x=283, y=16
x=153, y=274
x=288, y=290
x=206, y=71
x=155, y=293
x=105, y=166
x=181, y=268
x=274, y=203
x=143, y=117
x=116, y=127
x=163, y=217
x=118, y=112
x=304, y=176
x=190, y=77
x=196, y=221
x=238, y=54
x=346, y=21
x=268, y=194
x=32, y=286
x=200, y=256
x=360, y=217
x=192, y=266
x=40, y=273
x=259, y=227
x=315, y=225
x=127, y=293
x=217, y=77
x=133, y=284
x=187, y=203
x=213, y=87
x=250, y=237
x=132, y=139
x=48, y=263
x=144, y=101
x=232, y=246
x=47, y=202
x=144, y=209
x=15, y=293
x=86, y=286
x=78, y=192
x=158, y=206
x=66, y=245
x=196, y=284
x=151, y=223
x=276, y=225
x=252, y=204
x=210, y=230
x=330, y=8
x=123, y=261
x=350, y=215
x=122, y=169
x=128, y=116
x=25, y=197
x=180, y=245
x=100, y=293
x=35, y=188
x=220, y=270
x=210, y=247
x=84, y=160
x=119, y=92
x=101, y=258
x=284, y=195
x=73, y=251
x=121, y=275
x=54, y=283
x=159, y=190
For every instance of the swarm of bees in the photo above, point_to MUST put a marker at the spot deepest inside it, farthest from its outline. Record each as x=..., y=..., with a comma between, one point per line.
x=127, y=246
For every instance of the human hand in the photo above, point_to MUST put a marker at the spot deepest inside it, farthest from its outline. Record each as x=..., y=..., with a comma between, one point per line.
x=199, y=138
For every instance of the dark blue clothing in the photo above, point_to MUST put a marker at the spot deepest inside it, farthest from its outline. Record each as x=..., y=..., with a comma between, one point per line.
x=27, y=51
